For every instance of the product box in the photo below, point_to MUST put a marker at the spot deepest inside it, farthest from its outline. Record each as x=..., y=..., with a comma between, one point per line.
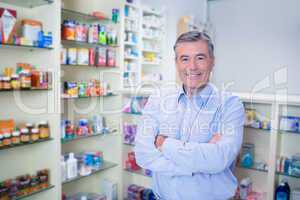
x=8, y=19
x=110, y=189
x=31, y=29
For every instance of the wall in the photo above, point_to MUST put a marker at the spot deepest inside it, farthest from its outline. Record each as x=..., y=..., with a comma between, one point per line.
x=254, y=39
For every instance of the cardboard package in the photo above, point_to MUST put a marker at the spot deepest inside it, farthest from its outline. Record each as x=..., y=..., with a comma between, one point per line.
x=8, y=19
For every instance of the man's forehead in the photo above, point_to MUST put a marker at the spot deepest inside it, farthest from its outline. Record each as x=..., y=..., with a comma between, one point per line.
x=192, y=48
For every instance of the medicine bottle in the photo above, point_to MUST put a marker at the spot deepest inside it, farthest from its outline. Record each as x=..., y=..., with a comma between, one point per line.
x=7, y=139
x=15, y=82
x=25, y=135
x=16, y=137
x=44, y=130
x=6, y=83
x=34, y=135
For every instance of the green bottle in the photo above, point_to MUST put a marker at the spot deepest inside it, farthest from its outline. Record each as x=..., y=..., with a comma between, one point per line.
x=102, y=36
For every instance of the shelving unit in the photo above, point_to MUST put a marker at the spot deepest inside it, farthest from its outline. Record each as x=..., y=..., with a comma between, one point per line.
x=153, y=36
x=25, y=144
x=34, y=193
x=132, y=45
x=32, y=48
x=106, y=165
x=271, y=143
x=86, y=107
x=63, y=141
x=28, y=4
x=33, y=105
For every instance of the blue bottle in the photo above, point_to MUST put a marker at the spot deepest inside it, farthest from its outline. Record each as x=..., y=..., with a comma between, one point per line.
x=283, y=191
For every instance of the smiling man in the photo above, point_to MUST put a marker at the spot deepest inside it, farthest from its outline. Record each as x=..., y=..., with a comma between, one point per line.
x=191, y=137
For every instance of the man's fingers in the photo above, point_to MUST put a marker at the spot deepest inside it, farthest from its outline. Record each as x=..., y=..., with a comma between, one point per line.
x=215, y=138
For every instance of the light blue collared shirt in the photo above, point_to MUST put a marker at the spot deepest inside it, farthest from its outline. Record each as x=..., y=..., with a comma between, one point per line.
x=188, y=167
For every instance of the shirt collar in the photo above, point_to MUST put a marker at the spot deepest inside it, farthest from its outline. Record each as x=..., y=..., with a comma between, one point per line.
x=201, y=98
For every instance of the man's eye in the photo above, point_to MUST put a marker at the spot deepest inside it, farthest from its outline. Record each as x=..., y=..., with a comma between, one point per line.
x=200, y=57
x=184, y=60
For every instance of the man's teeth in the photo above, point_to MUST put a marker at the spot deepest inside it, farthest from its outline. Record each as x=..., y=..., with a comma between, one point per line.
x=193, y=74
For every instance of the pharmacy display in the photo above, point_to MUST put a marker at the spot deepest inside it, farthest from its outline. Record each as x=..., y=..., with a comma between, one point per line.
x=25, y=77
x=28, y=32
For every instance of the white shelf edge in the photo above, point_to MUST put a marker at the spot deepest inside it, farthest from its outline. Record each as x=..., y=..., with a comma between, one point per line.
x=269, y=98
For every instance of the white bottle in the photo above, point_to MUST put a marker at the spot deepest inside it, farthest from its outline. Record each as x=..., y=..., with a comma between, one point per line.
x=63, y=168
x=72, y=169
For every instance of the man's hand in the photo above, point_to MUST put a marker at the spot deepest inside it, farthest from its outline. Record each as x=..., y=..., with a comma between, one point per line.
x=159, y=141
x=216, y=138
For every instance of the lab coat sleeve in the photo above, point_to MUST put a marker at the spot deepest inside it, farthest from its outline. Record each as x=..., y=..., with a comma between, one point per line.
x=147, y=155
x=211, y=158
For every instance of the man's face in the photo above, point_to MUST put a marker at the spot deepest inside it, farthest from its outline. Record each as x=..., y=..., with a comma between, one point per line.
x=193, y=63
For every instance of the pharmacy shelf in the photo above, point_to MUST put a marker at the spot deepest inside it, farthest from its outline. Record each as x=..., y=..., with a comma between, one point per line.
x=82, y=16
x=151, y=38
x=130, y=43
x=27, y=90
x=27, y=4
x=289, y=132
x=74, y=43
x=287, y=175
x=133, y=31
x=151, y=50
x=148, y=11
x=259, y=129
x=269, y=98
x=106, y=165
x=103, y=96
x=128, y=144
x=34, y=193
x=27, y=47
x=253, y=168
x=138, y=114
x=25, y=144
x=139, y=172
x=152, y=26
x=151, y=63
x=110, y=132
x=136, y=91
x=131, y=19
x=130, y=58
x=90, y=66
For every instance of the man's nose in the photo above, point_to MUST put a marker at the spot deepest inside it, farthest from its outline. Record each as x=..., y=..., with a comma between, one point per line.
x=192, y=64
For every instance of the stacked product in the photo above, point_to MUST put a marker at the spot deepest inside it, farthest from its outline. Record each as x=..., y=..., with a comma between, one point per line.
x=151, y=57
x=135, y=105
x=245, y=192
x=135, y=192
x=283, y=191
x=289, y=165
x=11, y=135
x=82, y=164
x=84, y=127
x=25, y=76
x=290, y=124
x=24, y=185
x=92, y=88
x=98, y=57
x=31, y=31
x=131, y=165
x=246, y=158
x=253, y=120
x=129, y=131
x=91, y=33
